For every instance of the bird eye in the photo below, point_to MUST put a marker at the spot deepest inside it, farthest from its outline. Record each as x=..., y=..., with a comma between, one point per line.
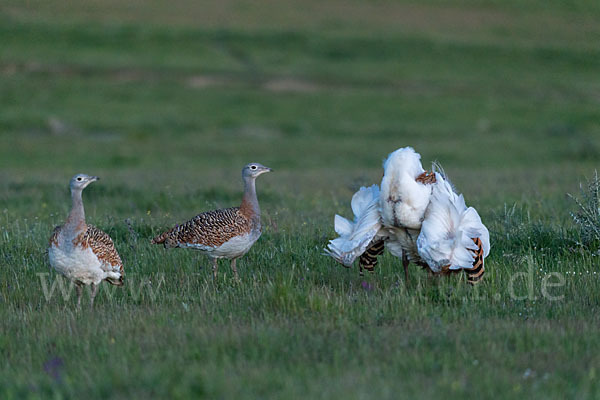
x=253, y=167
x=78, y=178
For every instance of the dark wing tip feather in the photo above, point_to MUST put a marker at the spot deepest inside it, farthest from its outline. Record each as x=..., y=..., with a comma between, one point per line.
x=368, y=260
x=475, y=274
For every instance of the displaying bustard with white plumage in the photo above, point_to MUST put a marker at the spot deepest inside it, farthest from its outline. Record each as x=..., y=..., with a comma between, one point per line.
x=81, y=252
x=226, y=233
x=422, y=220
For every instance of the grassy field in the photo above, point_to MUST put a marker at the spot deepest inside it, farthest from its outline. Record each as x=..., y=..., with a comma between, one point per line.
x=166, y=101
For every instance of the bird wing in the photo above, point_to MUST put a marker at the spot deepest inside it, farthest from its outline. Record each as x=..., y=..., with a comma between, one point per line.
x=449, y=233
x=207, y=230
x=102, y=246
x=54, y=237
x=355, y=237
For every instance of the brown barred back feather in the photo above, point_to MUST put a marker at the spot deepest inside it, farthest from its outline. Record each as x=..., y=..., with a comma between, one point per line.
x=102, y=246
x=54, y=238
x=211, y=228
x=426, y=178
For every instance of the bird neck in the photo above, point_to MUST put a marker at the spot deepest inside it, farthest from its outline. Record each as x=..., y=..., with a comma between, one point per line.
x=76, y=220
x=250, y=205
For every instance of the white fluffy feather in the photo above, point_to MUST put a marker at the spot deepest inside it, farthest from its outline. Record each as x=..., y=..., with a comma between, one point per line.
x=402, y=241
x=356, y=236
x=403, y=200
x=448, y=228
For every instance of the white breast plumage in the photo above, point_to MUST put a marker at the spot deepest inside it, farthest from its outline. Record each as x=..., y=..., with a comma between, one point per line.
x=238, y=245
x=76, y=263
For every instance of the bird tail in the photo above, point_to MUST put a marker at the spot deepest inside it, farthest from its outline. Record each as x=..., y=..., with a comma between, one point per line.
x=115, y=281
x=368, y=260
x=160, y=239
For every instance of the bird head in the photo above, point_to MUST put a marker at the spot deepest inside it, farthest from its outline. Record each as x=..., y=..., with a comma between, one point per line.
x=253, y=170
x=80, y=181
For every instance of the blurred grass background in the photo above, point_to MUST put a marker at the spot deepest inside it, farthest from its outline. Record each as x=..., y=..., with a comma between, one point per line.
x=166, y=101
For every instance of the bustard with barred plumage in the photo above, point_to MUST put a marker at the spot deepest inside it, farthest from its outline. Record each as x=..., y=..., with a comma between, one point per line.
x=226, y=233
x=81, y=252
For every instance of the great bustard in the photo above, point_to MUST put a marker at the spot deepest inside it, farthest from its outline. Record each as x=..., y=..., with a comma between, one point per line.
x=82, y=252
x=225, y=233
x=418, y=216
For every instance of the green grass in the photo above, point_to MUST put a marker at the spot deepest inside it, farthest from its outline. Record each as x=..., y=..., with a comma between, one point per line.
x=167, y=103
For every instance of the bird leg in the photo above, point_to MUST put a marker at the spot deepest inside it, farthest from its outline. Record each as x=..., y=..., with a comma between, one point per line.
x=235, y=273
x=93, y=294
x=405, y=263
x=78, y=289
x=215, y=267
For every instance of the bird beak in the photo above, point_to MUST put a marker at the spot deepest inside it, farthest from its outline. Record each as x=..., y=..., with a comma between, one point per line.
x=95, y=178
x=269, y=169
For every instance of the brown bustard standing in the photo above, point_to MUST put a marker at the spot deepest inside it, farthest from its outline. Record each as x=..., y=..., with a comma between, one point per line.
x=82, y=252
x=225, y=233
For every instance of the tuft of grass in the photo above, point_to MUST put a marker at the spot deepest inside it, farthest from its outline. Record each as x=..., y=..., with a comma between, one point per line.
x=587, y=216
